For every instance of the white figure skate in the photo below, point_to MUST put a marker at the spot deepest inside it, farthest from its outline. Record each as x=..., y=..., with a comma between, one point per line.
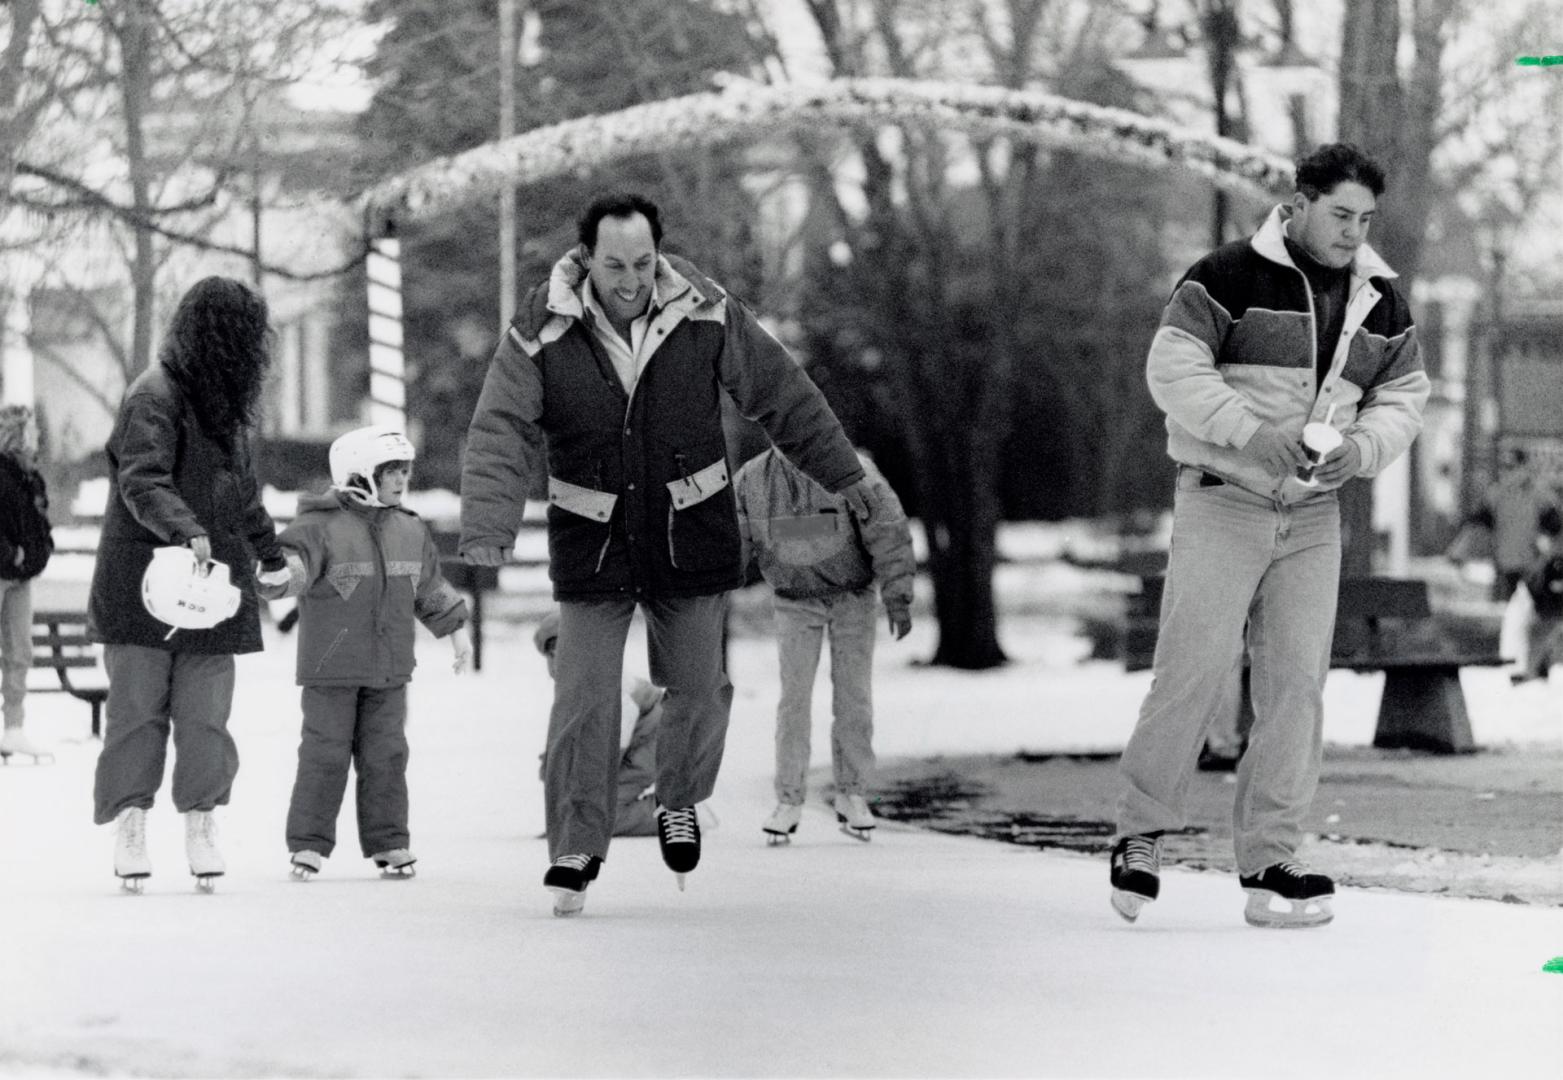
x=13, y=743
x=395, y=864
x=206, y=862
x=131, y=864
x=856, y=819
x=782, y=823
x=306, y=864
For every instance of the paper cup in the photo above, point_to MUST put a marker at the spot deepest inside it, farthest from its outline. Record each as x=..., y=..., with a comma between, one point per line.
x=1318, y=441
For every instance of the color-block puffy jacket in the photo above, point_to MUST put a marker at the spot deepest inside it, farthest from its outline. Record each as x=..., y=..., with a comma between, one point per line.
x=640, y=502
x=362, y=574
x=1236, y=347
x=808, y=543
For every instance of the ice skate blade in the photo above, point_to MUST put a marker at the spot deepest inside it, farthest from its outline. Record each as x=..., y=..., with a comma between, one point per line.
x=1128, y=904
x=864, y=835
x=301, y=873
x=1301, y=914
x=567, y=902
x=135, y=884
x=777, y=839
x=32, y=759
x=680, y=878
x=398, y=874
x=206, y=883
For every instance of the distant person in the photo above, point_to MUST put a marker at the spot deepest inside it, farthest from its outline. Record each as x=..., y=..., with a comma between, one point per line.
x=365, y=569
x=180, y=475
x=26, y=542
x=1300, y=323
x=1543, y=583
x=1508, y=511
x=618, y=363
x=822, y=565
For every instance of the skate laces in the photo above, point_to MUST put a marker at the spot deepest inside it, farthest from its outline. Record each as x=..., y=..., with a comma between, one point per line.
x=678, y=826
x=1142, y=853
x=1292, y=869
x=574, y=862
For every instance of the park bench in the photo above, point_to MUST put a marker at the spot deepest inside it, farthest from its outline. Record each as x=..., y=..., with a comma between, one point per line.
x=1381, y=624
x=60, y=642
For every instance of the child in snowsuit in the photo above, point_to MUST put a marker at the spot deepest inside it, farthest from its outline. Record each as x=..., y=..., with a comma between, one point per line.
x=364, y=567
x=25, y=546
x=822, y=564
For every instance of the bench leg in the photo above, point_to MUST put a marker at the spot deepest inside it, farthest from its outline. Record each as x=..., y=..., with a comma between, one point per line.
x=1424, y=709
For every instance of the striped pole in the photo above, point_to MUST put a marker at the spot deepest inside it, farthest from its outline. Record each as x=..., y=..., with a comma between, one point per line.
x=387, y=366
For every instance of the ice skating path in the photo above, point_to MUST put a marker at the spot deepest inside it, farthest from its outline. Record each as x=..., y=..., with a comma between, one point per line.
x=913, y=955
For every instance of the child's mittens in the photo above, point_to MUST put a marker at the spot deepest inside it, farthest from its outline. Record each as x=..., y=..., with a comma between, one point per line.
x=461, y=647
x=273, y=583
x=900, y=618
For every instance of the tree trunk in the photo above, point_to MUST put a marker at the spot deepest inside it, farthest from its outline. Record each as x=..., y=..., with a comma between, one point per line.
x=135, y=87
x=1394, y=121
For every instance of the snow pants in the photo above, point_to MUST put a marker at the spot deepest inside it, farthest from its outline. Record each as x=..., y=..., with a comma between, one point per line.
x=16, y=647
x=580, y=767
x=1238, y=557
x=361, y=726
x=801, y=626
x=150, y=692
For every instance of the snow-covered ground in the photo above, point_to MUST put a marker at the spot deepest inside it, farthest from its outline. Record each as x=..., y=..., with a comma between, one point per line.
x=917, y=954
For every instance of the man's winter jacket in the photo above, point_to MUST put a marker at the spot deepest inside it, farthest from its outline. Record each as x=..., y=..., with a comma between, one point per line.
x=24, y=521
x=168, y=482
x=640, y=502
x=807, y=542
x=1236, y=348
x=363, y=574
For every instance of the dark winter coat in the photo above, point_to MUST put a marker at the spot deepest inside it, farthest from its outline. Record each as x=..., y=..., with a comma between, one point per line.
x=640, y=502
x=168, y=482
x=363, y=574
x=24, y=521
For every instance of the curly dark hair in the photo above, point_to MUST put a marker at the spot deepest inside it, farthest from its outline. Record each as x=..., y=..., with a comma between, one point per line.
x=218, y=347
x=619, y=205
x=1335, y=163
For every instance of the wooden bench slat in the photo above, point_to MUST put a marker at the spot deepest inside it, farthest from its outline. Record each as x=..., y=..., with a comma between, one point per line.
x=65, y=661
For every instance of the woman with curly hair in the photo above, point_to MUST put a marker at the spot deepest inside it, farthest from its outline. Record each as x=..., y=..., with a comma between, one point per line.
x=25, y=546
x=180, y=475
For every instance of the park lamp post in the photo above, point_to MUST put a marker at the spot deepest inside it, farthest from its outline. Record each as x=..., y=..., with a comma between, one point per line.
x=1497, y=227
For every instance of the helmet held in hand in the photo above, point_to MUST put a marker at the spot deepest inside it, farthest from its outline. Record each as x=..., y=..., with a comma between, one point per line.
x=356, y=456
x=176, y=590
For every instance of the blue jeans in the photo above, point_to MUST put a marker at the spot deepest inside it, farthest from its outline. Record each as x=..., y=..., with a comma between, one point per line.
x=1239, y=557
x=800, y=631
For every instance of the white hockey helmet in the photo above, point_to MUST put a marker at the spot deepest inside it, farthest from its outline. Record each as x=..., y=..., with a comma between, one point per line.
x=356, y=455
x=176, y=591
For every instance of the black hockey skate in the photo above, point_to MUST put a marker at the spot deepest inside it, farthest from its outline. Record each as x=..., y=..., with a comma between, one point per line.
x=1306, y=897
x=1135, y=873
x=678, y=831
x=567, y=879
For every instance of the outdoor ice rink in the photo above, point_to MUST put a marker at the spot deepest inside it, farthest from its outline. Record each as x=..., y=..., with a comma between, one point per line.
x=914, y=955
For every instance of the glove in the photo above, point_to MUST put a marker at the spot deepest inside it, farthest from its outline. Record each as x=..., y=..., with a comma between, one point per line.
x=273, y=579
x=900, y=621
x=461, y=647
x=862, y=499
